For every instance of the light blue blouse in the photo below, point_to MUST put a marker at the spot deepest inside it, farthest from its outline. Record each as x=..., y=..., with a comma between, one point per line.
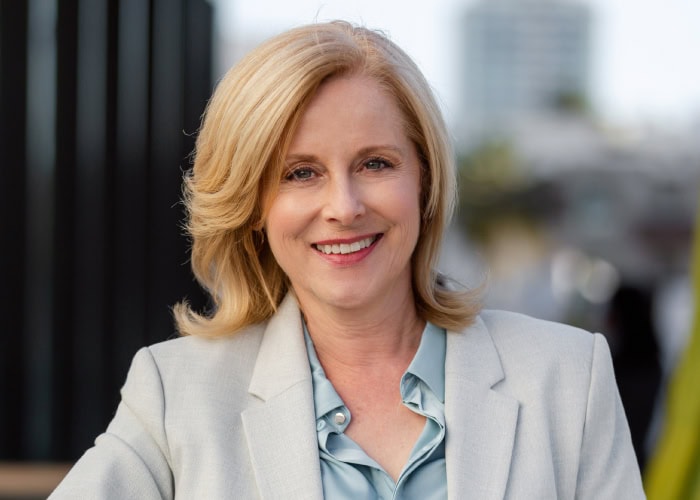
x=347, y=471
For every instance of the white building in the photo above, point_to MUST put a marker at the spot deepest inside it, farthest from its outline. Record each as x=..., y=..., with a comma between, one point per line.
x=521, y=57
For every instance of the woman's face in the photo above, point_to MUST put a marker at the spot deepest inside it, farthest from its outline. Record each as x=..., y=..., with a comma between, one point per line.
x=346, y=219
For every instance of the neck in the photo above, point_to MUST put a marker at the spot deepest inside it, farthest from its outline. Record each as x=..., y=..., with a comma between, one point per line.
x=386, y=335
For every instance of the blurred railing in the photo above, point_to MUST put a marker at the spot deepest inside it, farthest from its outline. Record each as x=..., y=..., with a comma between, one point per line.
x=30, y=481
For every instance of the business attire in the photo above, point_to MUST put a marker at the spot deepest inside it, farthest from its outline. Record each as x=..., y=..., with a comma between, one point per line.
x=531, y=412
x=346, y=469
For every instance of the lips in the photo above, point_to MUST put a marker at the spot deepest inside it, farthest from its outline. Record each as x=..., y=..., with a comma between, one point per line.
x=345, y=248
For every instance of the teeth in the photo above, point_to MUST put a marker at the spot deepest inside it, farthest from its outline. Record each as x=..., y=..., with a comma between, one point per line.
x=346, y=248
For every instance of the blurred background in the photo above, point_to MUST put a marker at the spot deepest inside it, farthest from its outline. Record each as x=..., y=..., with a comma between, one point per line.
x=577, y=132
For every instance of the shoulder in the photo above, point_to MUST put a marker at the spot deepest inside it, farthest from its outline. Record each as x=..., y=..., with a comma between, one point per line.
x=541, y=356
x=518, y=333
x=193, y=350
x=201, y=364
x=571, y=428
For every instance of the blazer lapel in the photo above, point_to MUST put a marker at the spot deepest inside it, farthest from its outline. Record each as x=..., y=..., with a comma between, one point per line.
x=480, y=422
x=281, y=432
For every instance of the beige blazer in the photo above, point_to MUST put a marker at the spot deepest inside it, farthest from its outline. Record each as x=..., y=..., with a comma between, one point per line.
x=531, y=408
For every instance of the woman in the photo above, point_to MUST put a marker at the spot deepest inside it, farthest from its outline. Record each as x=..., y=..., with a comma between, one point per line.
x=337, y=363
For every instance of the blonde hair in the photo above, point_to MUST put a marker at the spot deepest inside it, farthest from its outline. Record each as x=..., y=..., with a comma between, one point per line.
x=240, y=151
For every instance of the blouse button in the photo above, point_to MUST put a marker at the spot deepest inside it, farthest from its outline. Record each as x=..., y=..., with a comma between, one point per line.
x=339, y=418
x=320, y=425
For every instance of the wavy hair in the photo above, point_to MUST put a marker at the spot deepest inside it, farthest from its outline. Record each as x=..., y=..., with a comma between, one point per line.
x=239, y=156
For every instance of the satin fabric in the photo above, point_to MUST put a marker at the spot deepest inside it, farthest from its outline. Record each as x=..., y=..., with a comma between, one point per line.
x=347, y=471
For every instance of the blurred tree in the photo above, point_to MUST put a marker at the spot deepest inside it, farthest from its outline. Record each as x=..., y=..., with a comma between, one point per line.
x=674, y=469
x=571, y=102
x=494, y=189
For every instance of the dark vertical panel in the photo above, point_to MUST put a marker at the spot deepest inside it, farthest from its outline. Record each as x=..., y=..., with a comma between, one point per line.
x=38, y=340
x=90, y=245
x=167, y=156
x=131, y=183
x=112, y=207
x=65, y=233
x=93, y=140
x=198, y=64
x=199, y=18
x=13, y=69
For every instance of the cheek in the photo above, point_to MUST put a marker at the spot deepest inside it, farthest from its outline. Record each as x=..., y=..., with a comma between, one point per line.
x=284, y=221
x=406, y=203
x=412, y=211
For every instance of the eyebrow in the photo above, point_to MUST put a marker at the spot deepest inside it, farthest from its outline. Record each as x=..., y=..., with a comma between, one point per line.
x=362, y=152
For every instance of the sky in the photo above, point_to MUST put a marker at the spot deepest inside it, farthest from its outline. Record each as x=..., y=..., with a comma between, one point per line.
x=644, y=65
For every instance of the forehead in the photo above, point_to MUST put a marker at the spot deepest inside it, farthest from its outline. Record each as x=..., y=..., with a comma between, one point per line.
x=346, y=109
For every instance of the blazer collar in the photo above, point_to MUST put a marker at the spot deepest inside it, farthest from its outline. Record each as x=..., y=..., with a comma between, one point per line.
x=279, y=364
x=281, y=431
x=480, y=422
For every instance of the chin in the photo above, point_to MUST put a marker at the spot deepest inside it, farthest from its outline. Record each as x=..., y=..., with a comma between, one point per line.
x=346, y=301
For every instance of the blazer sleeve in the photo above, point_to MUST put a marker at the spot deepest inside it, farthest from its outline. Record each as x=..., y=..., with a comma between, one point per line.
x=608, y=466
x=130, y=460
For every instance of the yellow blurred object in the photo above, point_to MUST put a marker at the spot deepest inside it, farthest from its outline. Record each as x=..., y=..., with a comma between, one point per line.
x=673, y=472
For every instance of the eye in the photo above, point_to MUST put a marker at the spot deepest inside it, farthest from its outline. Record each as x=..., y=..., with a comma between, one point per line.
x=299, y=174
x=377, y=164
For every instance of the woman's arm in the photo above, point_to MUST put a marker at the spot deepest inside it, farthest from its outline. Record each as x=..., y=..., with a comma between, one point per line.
x=608, y=466
x=131, y=459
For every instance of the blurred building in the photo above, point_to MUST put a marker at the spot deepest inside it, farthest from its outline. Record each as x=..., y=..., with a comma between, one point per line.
x=568, y=212
x=623, y=196
x=522, y=57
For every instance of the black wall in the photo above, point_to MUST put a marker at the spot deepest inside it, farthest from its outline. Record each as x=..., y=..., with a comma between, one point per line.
x=100, y=100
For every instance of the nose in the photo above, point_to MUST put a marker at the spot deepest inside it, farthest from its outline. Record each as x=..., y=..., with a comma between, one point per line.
x=344, y=201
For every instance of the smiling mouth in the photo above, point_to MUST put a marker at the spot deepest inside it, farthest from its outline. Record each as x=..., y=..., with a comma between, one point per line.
x=346, y=248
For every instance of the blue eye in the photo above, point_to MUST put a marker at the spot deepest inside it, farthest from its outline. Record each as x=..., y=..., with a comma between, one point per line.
x=377, y=164
x=299, y=174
